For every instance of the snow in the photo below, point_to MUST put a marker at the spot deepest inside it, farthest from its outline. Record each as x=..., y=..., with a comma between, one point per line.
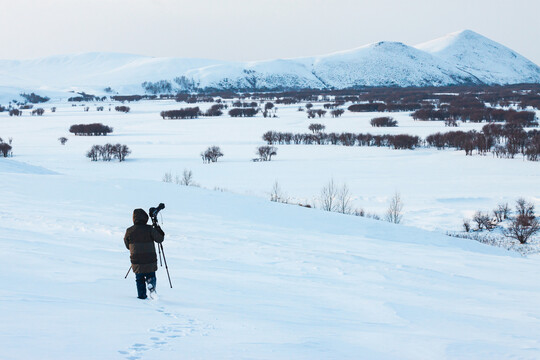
x=487, y=60
x=459, y=58
x=253, y=279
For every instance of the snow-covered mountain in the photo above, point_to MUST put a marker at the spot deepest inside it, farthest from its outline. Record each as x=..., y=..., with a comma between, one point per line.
x=485, y=59
x=459, y=58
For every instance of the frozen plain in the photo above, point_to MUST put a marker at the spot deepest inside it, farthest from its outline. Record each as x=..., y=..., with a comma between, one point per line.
x=254, y=279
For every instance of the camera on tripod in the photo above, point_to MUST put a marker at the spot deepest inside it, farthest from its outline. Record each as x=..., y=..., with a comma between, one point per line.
x=154, y=211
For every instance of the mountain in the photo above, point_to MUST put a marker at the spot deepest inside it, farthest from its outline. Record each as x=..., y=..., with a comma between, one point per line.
x=458, y=58
x=386, y=64
x=485, y=59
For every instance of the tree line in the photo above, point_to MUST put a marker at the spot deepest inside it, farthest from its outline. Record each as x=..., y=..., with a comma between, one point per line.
x=95, y=129
x=401, y=141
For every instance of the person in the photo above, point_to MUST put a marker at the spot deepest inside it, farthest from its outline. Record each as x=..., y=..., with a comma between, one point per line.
x=139, y=239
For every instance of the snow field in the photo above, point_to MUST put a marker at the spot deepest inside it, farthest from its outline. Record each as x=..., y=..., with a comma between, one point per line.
x=251, y=279
x=439, y=188
x=255, y=279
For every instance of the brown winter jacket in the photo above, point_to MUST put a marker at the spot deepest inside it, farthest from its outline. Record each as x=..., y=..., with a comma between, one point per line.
x=139, y=239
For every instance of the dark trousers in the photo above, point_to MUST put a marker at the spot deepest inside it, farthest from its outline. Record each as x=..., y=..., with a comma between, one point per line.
x=141, y=280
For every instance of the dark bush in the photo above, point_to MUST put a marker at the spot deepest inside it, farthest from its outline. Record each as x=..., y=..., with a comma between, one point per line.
x=39, y=111
x=124, y=109
x=265, y=153
x=243, y=112
x=34, y=98
x=214, y=110
x=337, y=112
x=385, y=121
x=186, y=113
x=5, y=149
x=212, y=154
x=95, y=129
x=316, y=128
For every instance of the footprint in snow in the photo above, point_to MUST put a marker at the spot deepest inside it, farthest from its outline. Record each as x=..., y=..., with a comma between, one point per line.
x=180, y=327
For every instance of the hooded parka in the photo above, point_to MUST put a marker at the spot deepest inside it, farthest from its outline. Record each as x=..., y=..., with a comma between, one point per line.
x=139, y=239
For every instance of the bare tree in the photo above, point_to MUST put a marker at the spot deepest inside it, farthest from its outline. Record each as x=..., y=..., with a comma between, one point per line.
x=187, y=178
x=277, y=194
x=212, y=154
x=167, y=177
x=266, y=152
x=394, y=214
x=328, y=196
x=316, y=128
x=522, y=230
x=525, y=224
x=483, y=221
x=501, y=212
x=344, y=200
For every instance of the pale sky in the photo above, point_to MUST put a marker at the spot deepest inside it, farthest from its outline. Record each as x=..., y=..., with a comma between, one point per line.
x=253, y=29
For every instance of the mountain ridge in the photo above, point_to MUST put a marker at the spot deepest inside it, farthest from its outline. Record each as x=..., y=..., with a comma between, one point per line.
x=463, y=57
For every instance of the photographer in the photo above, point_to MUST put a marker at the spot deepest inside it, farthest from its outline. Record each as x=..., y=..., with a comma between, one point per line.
x=139, y=239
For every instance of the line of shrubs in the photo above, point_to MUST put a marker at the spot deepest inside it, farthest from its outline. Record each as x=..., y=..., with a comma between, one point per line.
x=401, y=141
x=95, y=129
x=108, y=152
x=523, y=118
x=504, y=141
x=193, y=112
x=243, y=112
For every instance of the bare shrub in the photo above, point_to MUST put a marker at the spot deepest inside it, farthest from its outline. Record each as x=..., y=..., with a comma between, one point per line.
x=502, y=212
x=187, y=178
x=167, y=177
x=276, y=194
x=124, y=109
x=316, y=128
x=337, y=112
x=108, y=152
x=483, y=221
x=525, y=224
x=385, y=121
x=328, y=196
x=466, y=225
x=344, y=200
x=38, y=112
x=212, y=154
x=63, y=140
x=394, y=214
x=5, y=149
x=266, y=152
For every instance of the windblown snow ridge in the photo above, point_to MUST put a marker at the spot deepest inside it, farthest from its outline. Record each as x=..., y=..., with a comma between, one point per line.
x=459, y=58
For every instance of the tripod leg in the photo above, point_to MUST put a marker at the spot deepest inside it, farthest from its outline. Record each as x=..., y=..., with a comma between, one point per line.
x=159, y=251
x=125, y=277
x=166, y=267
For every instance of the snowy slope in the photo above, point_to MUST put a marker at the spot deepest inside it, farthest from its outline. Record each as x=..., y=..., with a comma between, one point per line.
x=386, y=64
x=459, y=58
x=251, y=280
x=487, y=60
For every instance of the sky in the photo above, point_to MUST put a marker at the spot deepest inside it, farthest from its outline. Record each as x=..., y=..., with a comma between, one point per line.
x=253, y=29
